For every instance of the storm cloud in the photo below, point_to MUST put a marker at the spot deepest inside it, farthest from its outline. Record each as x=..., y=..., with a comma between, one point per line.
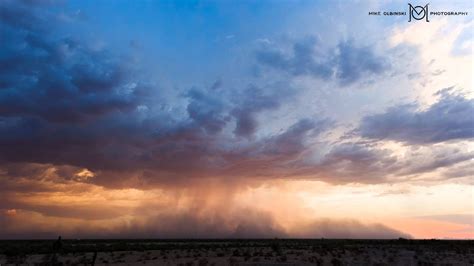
x=64, y=103
x=450, y=118
x=347, y=63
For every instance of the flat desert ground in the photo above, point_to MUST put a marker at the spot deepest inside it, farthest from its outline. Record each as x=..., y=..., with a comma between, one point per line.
x=239, y=252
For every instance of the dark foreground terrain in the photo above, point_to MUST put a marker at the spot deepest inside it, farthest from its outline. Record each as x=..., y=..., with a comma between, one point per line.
x=237, y=252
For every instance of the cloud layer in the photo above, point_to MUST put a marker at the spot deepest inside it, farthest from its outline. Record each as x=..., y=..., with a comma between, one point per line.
x=450, y=118
x=347, y=63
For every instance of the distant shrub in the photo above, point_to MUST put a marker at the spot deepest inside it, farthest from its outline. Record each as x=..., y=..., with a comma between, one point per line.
x=336, y=262
x=236, y=253
x=276, y=247
x=233, y=261
x=203, y=262
x=282, y=258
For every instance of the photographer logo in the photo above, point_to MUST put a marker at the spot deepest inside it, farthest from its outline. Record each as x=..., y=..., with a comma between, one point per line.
x=418, y=12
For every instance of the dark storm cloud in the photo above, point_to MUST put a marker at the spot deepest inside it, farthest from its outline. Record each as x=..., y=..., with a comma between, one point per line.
x=291, y=142
x=356, y=162
x=58, y=80
x=450, y=118
x=207, y=111
x=302, y=62
x=181, y=156
x=353, y=63
x=15, y=14
x=62, y=103
x=254, y=102
x=348, y=63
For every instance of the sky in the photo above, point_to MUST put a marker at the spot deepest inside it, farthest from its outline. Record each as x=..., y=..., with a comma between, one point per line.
x=235, y=119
